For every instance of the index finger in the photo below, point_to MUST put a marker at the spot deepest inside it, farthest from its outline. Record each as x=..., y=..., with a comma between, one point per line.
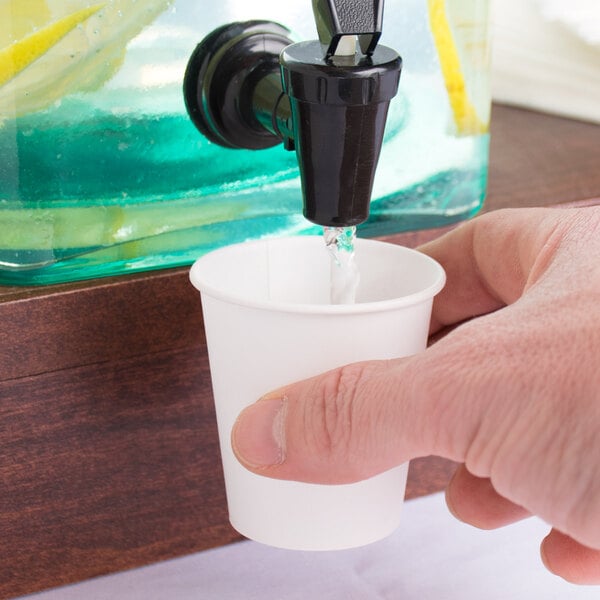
x=490, y=261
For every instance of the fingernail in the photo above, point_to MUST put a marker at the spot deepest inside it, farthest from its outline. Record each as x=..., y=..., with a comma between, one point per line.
x=258, y=435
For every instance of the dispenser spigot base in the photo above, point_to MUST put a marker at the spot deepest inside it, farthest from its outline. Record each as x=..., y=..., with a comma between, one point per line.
x=221, y=80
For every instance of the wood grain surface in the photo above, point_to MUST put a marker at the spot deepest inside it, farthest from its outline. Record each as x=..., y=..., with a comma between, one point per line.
x=108, y=447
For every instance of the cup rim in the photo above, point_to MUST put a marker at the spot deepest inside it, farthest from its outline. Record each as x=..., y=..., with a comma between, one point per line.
x=325, y=309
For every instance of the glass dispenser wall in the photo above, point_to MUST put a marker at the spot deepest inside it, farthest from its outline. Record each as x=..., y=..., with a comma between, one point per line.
x=102, y=172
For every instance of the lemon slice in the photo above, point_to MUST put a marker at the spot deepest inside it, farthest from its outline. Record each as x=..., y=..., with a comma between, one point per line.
x=23, y=52
x=52, y=48
x=459, y=29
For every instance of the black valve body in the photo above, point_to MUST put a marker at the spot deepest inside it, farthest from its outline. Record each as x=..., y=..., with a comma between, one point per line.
x=339, y=109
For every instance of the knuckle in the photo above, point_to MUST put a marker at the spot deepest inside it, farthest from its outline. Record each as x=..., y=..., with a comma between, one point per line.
x=332, y=413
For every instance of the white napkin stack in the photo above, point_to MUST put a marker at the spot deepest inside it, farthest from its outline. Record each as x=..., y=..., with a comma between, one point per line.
x=546, y=56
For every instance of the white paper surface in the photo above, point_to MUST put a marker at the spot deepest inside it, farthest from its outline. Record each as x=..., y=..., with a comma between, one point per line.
x=430, y=557
x=546, y=56
x=582, y=17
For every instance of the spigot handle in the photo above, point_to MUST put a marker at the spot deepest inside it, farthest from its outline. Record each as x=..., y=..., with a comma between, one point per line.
x=337, y=18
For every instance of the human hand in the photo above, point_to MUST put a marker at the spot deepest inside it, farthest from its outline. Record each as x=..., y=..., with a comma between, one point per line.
x=512, y=391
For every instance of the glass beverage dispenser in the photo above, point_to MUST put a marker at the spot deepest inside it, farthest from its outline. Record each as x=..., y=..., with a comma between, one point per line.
x=102, y=171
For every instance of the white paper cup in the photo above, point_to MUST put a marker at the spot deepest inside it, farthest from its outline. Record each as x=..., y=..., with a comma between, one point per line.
x=268, y=323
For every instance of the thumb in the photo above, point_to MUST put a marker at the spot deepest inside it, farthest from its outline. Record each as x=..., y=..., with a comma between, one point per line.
x=354, y=422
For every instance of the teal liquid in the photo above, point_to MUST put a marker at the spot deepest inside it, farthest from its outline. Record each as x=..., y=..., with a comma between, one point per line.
x=88, y=193
x=108, y=159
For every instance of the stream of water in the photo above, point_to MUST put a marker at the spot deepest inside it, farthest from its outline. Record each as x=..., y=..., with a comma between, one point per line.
x=344, y=272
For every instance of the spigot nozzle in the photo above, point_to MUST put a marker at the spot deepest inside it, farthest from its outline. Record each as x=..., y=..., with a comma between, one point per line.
x=339, y=109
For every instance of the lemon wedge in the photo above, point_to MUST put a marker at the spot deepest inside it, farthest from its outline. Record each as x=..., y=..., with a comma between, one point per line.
x=52, y=48
x=23, y=52
x=459, y=29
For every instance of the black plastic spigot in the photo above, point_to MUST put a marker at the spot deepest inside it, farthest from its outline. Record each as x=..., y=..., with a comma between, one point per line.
x=339, y=109
x=248, y=86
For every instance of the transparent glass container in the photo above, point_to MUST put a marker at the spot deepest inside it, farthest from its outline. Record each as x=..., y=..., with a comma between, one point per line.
x=102, y=172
